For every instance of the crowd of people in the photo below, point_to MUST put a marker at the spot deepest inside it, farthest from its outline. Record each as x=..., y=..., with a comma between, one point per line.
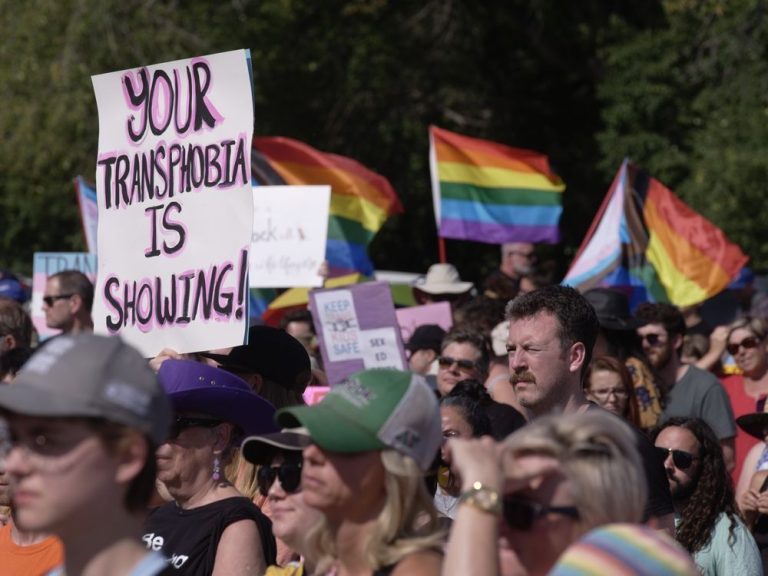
x=545, y=432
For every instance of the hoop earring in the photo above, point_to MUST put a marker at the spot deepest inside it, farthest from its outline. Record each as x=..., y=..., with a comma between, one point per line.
x=216, y=476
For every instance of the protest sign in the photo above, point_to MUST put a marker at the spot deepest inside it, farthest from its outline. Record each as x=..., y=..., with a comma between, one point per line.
x=314, y=394
x=290, y=229
x=44, y=265
x=414, y=316
x=357, y=329
x=175, y=203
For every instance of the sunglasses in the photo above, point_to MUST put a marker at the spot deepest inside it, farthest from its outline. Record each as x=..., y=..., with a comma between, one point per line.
x=747, y=343
x=680, y=458
x=289, y=474
x=447, y=362
x=183, y=422
x=652, y=339
x=520, y=514
x=618, y=392
x=49, y=300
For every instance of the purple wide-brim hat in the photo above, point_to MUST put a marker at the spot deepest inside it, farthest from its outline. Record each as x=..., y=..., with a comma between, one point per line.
x=201, y=389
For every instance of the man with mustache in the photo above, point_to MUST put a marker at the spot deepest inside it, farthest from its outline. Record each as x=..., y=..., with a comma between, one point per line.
x=552, y=332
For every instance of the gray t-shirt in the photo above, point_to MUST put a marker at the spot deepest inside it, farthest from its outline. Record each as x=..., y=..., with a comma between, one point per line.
x=698, y=394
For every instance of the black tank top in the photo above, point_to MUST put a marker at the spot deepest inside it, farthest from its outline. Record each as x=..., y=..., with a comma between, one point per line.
x=189, y=538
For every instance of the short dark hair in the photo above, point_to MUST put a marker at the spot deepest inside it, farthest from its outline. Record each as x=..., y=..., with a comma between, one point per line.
x=302, y=315
x=142, y=487
x=75, y=282
x=12, y=360
x=662, y=313
x=15, y=321
x=470, y=398
x=476, y=339
x=576, y=316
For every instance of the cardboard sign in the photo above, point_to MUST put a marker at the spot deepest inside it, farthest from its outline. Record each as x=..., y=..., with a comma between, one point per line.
x=411, y=318
x=175, y=203
x=290, y=229
x=313, y=394
x=357, y=329
x=46, y=264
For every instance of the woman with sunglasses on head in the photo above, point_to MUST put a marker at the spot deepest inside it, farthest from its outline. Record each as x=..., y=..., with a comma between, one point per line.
x=525, y=500
x=746, y=342
x=84, y=416
x=608, y=384
x=278, y=458
x=373, y=438
x=209, y=527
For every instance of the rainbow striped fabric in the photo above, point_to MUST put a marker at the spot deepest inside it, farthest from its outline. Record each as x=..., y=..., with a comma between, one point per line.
x=489, y=192
x=361, y=200
x=625, y=550
x=647, y=242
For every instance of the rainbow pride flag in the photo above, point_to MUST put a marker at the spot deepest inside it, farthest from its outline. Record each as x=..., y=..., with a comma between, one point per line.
x=361, y=200
x=489, y=192
x=647, y=242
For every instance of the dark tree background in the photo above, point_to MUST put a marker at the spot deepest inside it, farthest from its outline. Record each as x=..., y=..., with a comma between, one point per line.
x=680, y=86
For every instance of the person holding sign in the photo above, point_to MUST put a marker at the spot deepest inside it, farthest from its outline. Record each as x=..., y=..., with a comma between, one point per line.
x=373, y=437
x=84, y=417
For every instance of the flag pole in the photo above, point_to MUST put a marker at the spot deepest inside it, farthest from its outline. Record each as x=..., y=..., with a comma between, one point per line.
x=441, y=249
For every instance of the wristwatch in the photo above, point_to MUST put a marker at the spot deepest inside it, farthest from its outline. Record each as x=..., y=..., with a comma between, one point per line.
x=483, y=498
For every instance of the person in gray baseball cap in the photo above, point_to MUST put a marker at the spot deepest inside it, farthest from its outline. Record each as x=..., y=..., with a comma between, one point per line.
x=81, y=424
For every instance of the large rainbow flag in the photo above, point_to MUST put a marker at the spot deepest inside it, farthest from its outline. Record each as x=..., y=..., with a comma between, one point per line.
x=489, y=192
x=361, y=200
x=649, y=243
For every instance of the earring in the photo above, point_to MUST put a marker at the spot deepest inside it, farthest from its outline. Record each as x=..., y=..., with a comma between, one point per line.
x=216, y=469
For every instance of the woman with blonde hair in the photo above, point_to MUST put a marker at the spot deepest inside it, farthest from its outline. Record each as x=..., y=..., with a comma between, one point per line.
x=527, y=499
x=373, y=437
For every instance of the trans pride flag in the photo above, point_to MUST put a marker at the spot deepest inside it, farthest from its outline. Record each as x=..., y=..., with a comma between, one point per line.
x=89, y=211
x=489, y=192
x=361, y=200
x=647, y=242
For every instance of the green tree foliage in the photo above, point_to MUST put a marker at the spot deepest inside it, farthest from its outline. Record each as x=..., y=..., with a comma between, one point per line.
x=586, y=82
x=688, y=100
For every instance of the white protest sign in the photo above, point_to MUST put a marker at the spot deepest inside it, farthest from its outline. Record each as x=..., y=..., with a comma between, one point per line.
x=173, y=184
x=340, y=326
x=290, y=229
x=379, y=348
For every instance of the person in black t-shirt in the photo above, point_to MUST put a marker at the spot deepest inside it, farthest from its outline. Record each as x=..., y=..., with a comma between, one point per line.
x=209, y=526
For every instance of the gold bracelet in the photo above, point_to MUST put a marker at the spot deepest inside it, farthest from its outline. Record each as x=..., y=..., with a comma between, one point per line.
x=482, y=498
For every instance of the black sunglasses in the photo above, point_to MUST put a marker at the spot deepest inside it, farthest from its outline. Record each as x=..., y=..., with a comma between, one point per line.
x=49, y=300
x=653, y=339
x=520, y=514
x=289, y=474
x=183, y=422
x=747, y=343
x=680, y=458
x=447, y=362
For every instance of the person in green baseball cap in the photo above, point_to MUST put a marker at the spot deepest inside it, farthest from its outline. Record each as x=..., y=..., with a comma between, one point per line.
x=373, y=438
